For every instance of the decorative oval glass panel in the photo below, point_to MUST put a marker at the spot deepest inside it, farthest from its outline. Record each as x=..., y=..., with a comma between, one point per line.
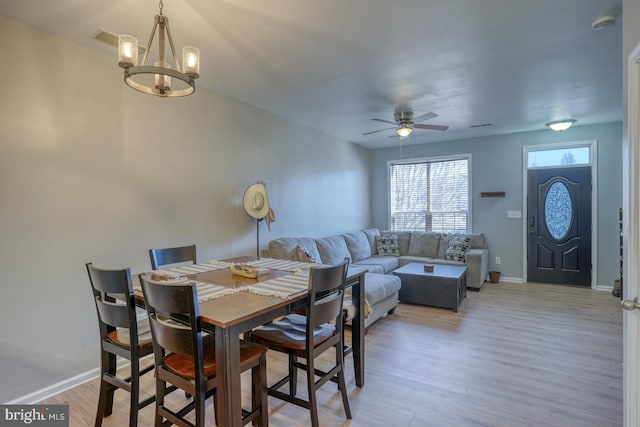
x=558, y=210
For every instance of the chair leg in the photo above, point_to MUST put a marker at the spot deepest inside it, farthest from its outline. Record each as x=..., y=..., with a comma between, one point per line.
x=200, y=402
x=259, y=391
x=160, y=391
x=342, y=383
x=102, y=402
x=105, y=399
x=134, y=406
x=311, y=386
x=110, y=360
x=293, y=375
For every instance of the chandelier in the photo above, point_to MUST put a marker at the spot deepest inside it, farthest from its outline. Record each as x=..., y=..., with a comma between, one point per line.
x=159, y=79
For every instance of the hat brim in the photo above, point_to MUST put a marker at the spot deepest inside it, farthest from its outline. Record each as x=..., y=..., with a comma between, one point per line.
x=257, y=189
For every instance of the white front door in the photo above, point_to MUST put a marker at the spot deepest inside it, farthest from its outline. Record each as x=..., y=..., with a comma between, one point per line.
x=631, y=241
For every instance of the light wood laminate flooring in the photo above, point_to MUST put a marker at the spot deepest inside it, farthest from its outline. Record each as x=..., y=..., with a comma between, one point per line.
x=514, y=355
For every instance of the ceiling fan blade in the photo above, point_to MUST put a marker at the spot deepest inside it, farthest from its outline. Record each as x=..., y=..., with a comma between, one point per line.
x=431, y=127
x=375, y=131
x=424, y=117
x=385, y=121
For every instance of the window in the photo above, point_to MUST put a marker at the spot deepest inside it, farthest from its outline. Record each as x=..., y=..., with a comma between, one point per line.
x=430, y=195
x=566, y=156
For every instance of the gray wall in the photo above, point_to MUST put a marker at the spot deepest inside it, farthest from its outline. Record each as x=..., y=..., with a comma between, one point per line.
x=91, y=170
x=497, y=166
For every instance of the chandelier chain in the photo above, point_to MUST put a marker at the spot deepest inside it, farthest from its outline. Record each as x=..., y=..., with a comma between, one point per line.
x=160, y=5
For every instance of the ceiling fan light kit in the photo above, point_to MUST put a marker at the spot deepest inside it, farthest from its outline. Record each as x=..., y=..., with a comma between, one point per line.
x=405, y=123
x=404, y=130
x=157, y=79
x=560, y=125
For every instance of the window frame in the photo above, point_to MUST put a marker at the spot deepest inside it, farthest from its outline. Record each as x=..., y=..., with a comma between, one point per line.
x=453, y=157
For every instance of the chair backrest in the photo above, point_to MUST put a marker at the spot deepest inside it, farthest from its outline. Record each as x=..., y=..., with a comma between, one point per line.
x=326, y=296
x=174, y=318
x=165, y=256
x=114, y=299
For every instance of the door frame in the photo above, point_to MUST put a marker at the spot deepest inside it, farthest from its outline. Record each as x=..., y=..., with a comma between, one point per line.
x=593, y=144
x=630, y=239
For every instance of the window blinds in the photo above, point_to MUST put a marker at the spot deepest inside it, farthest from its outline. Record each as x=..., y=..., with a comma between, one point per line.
x=430, y=196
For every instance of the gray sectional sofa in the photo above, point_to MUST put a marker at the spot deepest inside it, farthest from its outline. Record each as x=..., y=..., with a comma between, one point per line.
x=382, y=252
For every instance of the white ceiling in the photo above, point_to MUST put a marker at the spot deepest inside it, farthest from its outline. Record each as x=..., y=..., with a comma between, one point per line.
x=333, y=65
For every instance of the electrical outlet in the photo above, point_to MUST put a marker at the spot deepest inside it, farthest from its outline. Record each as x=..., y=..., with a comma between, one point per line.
x=498, y=260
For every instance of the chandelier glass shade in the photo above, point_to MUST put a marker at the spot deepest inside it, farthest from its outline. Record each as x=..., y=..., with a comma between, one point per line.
x=159, y=79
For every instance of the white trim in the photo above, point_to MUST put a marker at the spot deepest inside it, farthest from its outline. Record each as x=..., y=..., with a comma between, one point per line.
x=52, y=390
x=630, y=240
x=512, y=280
x=593, y=144
x=69, y=383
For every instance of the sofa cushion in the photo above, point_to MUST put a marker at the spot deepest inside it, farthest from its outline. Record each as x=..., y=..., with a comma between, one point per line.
x=358, y=245
x=372, y=234
x=424, y=243
x=388, y=244
x=444, y=244
x=404, y=240
x=478, y=241
x=371, y=268
x=386, y=263
x=333, y=250
x=458, y=246
x=287, y=248
x=380, y=286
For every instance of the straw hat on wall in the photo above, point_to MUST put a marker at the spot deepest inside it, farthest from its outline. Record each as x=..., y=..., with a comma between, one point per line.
x=255, y=201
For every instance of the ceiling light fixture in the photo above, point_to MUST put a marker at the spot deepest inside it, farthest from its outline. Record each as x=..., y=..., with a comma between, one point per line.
x=404, y=130
x=157, y=79
x=561, y=125
x=606, y=19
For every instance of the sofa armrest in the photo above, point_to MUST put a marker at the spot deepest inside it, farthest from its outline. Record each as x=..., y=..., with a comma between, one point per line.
x=477, y=261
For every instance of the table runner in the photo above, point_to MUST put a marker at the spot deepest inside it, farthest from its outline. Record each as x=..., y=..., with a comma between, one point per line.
x=281, y=287
x=281, y=264
x=206, y=291
x=197, y=268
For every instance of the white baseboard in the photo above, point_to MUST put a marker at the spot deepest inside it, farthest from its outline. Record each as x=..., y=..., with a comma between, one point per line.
x=604, y=288
x=52, y=390
x=512, y=279
x=64, y=385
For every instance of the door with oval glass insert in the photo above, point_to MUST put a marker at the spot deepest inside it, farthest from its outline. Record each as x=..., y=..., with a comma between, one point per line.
x=559, y=225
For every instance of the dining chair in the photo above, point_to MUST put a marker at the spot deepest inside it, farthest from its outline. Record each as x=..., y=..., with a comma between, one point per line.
x=166, y=256
x=308, y=336
x=185, y=356
x=120, y=335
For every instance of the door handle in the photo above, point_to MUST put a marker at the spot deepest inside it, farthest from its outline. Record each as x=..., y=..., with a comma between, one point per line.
x=532, y=221
x=629, y=305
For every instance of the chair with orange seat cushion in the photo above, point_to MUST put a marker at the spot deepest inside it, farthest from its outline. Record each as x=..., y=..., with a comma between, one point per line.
x=120, y=335
x=185, y=355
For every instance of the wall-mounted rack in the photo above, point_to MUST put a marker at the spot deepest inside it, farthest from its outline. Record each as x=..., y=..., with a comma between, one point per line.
x=492, y=194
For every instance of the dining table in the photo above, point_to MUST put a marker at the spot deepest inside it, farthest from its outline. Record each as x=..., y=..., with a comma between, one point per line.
x=231, y=305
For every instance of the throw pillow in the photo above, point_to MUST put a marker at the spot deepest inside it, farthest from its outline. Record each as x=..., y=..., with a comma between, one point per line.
x=388, y=244
x=457, y=247
x=304, y=255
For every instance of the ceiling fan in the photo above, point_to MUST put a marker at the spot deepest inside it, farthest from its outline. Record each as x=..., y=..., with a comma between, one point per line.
x=405, y=123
